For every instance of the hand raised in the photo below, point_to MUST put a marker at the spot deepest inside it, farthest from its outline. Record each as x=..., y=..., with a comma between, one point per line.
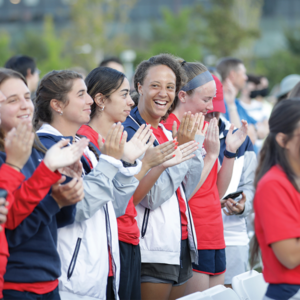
x=235, y=140
x=74, y=170
x=182, y=153
x=68, y=194
x=187, y=129
x=18, y=144
x=138, y=144
x=155, y=156
x=212, y=141
x=200, y=121
x=59, y=156
x=230, y=91
x=115, y=141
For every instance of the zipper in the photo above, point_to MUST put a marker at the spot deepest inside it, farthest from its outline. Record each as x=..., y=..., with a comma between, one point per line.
x=74, y=259
x=181, y=266
x=109, y=243
x=145, y=222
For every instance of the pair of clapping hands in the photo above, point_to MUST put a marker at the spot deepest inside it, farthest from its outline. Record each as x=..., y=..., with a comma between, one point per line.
x=18, y=147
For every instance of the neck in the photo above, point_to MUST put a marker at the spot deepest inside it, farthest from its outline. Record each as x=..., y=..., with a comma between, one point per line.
x=65, y=128
x=295, y=165
x=101, y=123
x=245, y=99
x=179, y=112
x=147, y=117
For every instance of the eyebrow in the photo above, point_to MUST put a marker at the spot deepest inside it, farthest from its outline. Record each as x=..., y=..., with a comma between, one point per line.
x=124, y=90
x=159, y=82
x=83, y=90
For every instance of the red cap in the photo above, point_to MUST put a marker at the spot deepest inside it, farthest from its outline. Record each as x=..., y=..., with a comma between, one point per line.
x=218, y=100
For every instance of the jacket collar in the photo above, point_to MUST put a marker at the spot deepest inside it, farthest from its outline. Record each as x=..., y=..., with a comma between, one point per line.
x=47, y=129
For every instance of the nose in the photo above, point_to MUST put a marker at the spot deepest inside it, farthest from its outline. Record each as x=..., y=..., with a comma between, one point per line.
x=25, y=103
x=130, y=102
x=89, y=100
x=163, y=92
x=210, y=105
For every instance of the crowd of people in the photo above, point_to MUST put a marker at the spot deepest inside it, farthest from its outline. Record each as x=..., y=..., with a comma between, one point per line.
x=113, y=188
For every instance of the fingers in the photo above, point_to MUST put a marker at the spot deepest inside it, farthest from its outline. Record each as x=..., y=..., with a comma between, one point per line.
x=123, y=140
x=140, y=131
x=186, y=145
x=62, y=143
x=174, y=129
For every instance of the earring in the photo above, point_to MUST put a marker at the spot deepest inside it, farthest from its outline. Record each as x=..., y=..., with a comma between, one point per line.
x=60, y=113
x=102, y=108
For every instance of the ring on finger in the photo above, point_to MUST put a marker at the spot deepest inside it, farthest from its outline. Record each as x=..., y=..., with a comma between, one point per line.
x=189, y=130
x=162, y=152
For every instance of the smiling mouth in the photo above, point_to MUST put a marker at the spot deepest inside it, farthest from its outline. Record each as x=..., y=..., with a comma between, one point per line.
x=161, y=103
x=24, y=117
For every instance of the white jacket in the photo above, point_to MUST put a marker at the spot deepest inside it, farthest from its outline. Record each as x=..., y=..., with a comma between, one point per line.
x=160, y=228
x=83, y=245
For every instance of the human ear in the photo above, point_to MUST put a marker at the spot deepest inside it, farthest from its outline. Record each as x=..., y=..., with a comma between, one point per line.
x=182, y=96
x=56, y=106
x=28, y=73
x=140, y=89
x=281, y=139
x=100, y=99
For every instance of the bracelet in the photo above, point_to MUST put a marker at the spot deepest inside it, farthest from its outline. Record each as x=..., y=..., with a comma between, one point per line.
x=230, y=154
x=13, y=166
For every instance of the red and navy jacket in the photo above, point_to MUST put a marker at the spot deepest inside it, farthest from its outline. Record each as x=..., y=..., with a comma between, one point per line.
x=32, y=244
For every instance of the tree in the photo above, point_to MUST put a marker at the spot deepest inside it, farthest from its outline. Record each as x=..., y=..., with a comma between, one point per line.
x=97, y=27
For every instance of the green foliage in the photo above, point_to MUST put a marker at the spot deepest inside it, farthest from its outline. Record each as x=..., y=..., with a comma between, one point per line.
x=5, y=52
x=223, y=33
x=293, y=40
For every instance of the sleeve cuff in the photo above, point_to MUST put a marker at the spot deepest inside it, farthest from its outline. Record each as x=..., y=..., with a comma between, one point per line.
x=52, y=177
x=106, y=168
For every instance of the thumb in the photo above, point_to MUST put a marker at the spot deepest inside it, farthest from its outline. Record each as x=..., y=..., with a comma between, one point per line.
x=174, y=129
x=61, y=180
x=62, y=143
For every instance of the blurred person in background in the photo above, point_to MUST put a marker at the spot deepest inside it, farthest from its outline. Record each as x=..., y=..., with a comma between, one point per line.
x=286, y=85
x=233, y=74
x=27, y=67
x=252, y=100
x=234, y=218
x=114, y=63
x=295, y=92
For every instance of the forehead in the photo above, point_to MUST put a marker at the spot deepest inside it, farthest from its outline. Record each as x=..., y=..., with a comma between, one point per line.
x=78, y=84
x=13, y=86
x=161, y=73
x=240, y=68
x=207, y=90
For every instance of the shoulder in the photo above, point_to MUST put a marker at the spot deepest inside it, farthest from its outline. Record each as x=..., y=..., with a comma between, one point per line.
x=48, y=140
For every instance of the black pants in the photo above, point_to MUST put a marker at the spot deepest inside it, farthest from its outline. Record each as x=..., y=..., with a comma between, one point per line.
x=130, y=276
x=110, y=295
x=16, y=295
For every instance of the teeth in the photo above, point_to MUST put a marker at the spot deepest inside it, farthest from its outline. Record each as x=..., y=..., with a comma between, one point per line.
x=161, y=102
x=24, y=117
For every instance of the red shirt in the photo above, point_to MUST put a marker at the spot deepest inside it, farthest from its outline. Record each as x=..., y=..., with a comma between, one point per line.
x=22, y=202
x=277, y=218
x=161, y=138
x=205, y=207
x=127, y=226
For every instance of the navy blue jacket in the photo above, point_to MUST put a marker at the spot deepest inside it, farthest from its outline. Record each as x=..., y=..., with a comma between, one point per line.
x=32, y=245
x=131, y=127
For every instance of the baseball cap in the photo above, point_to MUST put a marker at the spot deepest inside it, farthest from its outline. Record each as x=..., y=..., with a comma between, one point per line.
x=218, y=100
x=287, y=84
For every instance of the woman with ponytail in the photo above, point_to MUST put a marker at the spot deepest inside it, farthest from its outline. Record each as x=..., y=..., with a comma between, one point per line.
x=89, y=248
x=277, y=203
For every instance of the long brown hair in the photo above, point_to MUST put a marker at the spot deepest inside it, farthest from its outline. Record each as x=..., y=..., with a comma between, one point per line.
x=6, y=74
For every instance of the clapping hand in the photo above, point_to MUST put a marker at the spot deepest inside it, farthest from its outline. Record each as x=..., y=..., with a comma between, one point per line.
x=235, y=140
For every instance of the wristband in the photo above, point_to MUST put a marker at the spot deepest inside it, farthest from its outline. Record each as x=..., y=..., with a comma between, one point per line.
x=230, y=154
x=127, y=164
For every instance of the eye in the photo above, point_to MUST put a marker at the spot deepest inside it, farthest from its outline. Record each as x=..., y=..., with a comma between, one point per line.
x=124, y=95
x=11, y=100
x=154, y=85
x=171, y=87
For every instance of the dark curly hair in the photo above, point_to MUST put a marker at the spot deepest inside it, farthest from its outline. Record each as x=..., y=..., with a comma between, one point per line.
x=161, y=59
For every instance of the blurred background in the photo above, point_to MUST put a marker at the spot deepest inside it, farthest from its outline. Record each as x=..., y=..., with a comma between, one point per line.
x=60, y=34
